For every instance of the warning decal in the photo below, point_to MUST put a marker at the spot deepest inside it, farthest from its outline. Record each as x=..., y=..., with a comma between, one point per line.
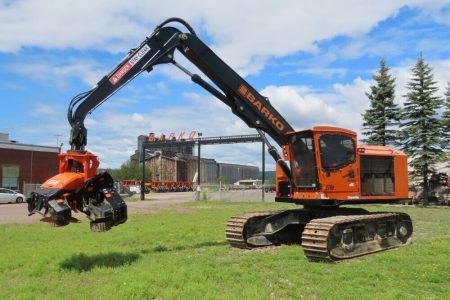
x=128, y=65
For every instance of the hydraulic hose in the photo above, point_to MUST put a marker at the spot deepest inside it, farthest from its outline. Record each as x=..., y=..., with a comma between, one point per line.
x=177, y=20
x=72, y=104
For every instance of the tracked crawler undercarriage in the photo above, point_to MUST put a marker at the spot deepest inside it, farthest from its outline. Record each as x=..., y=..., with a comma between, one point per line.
x=328, y=235
x=320, y=166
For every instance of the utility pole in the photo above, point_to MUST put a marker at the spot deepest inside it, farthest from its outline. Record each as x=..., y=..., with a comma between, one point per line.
x=57, y=139
x=263, y=181
x=143, y=173
x=198, y=167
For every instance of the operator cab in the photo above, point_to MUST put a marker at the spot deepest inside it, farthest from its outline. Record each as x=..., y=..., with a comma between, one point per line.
x=325, y=149
x=323, y=162
x=328, y=167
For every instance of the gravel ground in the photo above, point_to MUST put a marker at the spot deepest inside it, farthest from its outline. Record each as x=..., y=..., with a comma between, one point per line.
x=17, y=213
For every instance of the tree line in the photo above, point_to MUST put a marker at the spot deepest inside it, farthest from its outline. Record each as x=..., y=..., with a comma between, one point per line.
x=131, y=170
x=420, y=128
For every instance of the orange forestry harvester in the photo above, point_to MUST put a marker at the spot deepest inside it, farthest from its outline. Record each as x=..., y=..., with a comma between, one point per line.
x=78, y=187
x=322, y=168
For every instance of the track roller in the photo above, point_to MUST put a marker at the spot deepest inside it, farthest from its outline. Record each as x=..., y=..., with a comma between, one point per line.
x=344, y=237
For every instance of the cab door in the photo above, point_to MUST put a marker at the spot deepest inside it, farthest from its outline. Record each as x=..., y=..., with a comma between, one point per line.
x=338, y=164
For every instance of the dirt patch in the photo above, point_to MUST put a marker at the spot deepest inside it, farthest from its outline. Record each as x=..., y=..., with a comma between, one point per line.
x=262, y=249
x=18, y=213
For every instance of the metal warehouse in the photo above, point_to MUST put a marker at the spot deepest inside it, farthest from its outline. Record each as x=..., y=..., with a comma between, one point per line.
x=179, y=164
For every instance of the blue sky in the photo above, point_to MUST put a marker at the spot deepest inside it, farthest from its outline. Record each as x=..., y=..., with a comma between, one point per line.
x=314, y=60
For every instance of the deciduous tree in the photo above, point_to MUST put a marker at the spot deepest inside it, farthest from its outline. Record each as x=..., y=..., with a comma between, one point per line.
x=130, y=170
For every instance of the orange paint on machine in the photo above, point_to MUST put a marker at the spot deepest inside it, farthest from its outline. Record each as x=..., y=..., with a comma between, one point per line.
x=329, y=167
x=320, y=168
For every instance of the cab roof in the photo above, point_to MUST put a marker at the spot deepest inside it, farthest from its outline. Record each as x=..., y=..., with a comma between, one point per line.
x=323, y=129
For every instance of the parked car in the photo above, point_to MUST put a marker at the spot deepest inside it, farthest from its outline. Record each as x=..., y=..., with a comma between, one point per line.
x=10, y=196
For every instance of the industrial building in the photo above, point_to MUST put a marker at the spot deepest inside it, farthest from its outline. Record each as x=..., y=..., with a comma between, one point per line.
x=179, y=164
x=24, y=163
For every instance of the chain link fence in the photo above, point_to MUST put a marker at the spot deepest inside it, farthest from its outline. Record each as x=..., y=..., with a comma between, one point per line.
x=237, y=193
x=211, y=192
x=29, y=187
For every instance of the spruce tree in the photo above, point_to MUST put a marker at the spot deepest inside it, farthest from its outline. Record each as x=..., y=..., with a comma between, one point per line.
x=382, y=117
x=421, y=126
x=446, y=119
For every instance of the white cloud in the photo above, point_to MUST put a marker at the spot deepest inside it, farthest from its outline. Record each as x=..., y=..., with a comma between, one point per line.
x=245, y=35
x=114, y=136
x=402, y=73
x=437, y=12
x=257, y=31
x=162, y=88
x=44, y=110
x=317, y=69
x=354, y=93
x=63, y=24
x=57, y=73
x=325, y=72
x=305, y=108
x=137, y=118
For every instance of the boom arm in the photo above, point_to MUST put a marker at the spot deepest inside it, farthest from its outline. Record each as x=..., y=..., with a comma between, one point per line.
x=158, y=48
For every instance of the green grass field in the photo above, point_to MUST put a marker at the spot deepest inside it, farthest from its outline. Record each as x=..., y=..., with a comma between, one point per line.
x=182, y=253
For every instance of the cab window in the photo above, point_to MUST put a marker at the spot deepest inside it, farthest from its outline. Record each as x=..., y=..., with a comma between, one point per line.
x=304, y=163
x=336, y=151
